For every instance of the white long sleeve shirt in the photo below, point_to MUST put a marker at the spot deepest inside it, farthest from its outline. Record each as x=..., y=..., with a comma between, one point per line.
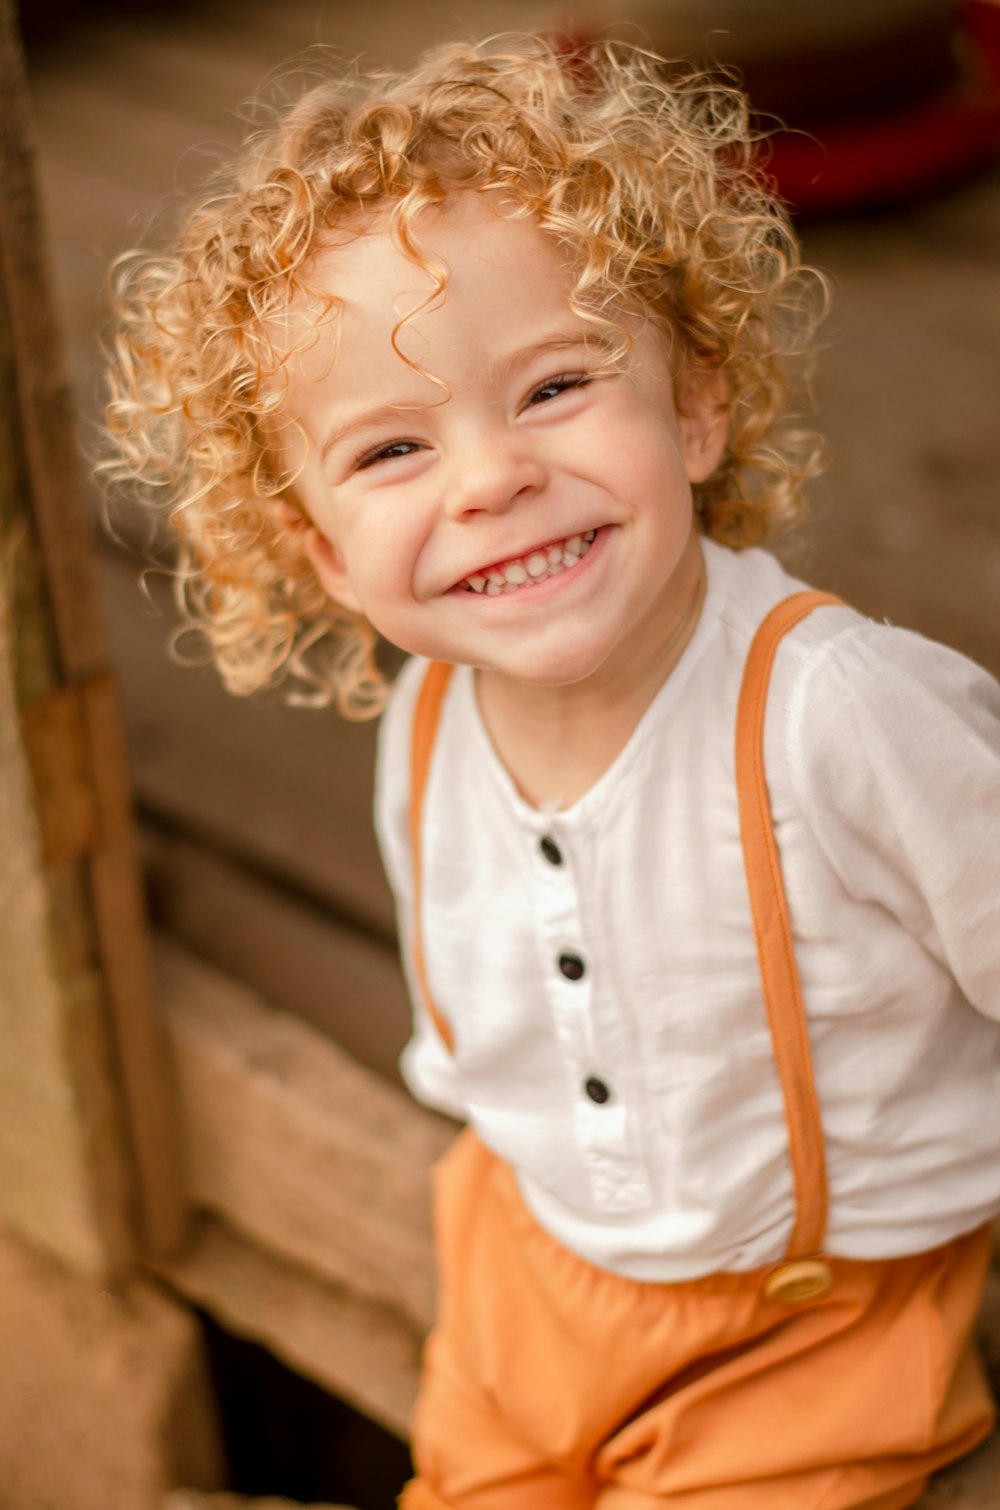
x=639, y=1104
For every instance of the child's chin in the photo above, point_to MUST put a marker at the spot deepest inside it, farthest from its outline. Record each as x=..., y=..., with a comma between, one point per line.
x=562, y=669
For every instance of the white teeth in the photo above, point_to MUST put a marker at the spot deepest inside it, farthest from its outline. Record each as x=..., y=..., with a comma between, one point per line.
x=534, y=568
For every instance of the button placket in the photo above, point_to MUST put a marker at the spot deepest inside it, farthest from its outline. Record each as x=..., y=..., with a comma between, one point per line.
x=560, y=931
x=616, y=1178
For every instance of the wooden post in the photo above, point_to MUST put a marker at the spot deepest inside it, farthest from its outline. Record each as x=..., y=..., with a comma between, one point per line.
x=88, y=1151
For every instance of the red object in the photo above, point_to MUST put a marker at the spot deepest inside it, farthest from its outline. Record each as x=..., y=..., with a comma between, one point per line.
x=892, y=158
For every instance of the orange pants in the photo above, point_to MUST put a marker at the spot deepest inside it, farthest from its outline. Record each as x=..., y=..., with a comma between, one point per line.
x=553, y=1385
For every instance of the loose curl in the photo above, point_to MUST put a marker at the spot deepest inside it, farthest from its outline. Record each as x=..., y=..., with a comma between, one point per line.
x=646, y=176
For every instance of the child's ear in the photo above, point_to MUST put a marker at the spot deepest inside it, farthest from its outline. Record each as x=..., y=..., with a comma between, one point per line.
x=703, y=416
x=328, y=564
x=324, y=558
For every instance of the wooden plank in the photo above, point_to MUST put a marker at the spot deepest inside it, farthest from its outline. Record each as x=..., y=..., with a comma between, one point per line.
x=64, y=1175
x=365, y=1353
x=293, y=954
x=206, y=762
x=47, y=434
x=63, y=1180
x=123, y=939
x=296, y=1147
x=43, y=394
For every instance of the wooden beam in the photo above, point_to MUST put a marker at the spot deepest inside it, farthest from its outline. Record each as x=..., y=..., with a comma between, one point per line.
x=65, y=1172
x=293, y=953
x=97, y=820
x=364, y=1353
x=46, y=408
x=320, y=1162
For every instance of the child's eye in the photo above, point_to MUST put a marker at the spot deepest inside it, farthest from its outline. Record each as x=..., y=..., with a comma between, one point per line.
x=553, y=386
x=390, y=452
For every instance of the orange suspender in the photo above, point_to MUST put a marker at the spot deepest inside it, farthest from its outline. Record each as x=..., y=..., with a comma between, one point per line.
x=778, y=970
x=425, y=722
x=768, y=905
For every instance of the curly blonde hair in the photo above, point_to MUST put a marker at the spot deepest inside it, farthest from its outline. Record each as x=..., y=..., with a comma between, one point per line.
x=646, y=175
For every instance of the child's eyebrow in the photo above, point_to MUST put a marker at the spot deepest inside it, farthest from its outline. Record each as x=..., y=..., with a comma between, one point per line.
x=368, y=419
x=561, y=340
x=503, y=367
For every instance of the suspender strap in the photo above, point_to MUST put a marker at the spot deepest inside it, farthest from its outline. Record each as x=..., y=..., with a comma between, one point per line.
x=778, y=970
x=425, y=722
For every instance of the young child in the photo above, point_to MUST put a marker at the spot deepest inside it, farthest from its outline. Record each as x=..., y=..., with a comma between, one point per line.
x=696, y=870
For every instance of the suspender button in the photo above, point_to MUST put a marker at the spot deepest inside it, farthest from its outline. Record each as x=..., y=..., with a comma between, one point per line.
x=795, y=1283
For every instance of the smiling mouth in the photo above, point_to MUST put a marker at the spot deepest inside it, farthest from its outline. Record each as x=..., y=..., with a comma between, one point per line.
x=528, y=571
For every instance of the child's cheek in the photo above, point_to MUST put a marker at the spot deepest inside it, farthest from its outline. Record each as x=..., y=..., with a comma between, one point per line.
x=388, y=558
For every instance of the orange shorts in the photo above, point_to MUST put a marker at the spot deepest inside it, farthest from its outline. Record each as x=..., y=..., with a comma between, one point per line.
x=554, y=1385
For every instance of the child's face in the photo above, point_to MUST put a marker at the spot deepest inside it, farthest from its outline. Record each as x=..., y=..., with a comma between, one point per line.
x=420, y=491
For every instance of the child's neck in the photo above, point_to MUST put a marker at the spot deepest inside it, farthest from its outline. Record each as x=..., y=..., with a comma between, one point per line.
x=557, y=741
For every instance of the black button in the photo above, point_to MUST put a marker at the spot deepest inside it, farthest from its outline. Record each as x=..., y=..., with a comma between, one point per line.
x=550, y=850
x=597, y=1090
x=572, y=966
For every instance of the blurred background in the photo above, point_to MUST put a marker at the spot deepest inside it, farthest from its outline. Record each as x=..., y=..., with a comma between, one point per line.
x=255, y=818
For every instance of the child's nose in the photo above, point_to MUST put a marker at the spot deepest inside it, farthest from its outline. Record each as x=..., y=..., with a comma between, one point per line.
x=489, y=476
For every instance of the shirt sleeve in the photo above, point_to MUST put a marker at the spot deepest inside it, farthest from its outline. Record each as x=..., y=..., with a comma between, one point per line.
x=894, y=746
x=426, y=1064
